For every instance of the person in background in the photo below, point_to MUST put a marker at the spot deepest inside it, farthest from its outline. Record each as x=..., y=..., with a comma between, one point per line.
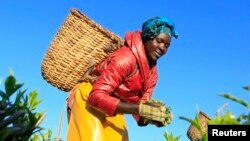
x=124, y=85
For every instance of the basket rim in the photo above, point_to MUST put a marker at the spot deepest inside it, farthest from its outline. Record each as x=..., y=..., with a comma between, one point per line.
x=206, y=115
x=92, y=23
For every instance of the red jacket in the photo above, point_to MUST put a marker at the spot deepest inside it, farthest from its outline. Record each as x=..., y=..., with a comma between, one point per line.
x=114, y=82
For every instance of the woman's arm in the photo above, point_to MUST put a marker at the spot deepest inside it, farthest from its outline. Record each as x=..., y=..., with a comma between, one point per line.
x=113, y=71
x=127, y=108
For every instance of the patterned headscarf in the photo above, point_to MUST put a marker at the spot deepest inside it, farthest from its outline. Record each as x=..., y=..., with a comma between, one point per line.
x=153, y=27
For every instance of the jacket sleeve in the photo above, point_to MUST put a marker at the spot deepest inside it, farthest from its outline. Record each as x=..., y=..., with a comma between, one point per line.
x=117, y=67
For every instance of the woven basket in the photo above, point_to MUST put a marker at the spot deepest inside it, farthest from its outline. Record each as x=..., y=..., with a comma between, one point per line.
x=78, y=45
x=193, y=133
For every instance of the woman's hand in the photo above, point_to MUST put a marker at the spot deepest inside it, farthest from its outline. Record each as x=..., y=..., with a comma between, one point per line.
x=154, y=112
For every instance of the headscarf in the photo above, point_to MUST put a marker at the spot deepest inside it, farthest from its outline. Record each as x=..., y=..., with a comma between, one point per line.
x=153, y=27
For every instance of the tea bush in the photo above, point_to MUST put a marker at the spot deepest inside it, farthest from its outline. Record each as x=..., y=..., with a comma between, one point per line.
x=228, y=118
x=19, y=120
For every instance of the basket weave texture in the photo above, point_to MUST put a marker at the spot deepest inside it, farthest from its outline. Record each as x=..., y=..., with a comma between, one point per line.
x=193, y=133
x=78, y=45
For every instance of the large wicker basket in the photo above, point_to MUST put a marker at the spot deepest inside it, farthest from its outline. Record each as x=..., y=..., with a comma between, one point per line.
x=193, y=133
x=78, y=45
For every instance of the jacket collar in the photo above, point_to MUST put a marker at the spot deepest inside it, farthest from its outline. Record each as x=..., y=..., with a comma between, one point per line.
x=134, y=42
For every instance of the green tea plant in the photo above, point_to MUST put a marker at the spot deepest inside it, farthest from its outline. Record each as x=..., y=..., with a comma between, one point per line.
x=42, y=136
x=228, y=118
x=19, y=120
x=171, y=137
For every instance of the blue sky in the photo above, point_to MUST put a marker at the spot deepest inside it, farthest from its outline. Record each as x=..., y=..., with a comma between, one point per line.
x=210, y=57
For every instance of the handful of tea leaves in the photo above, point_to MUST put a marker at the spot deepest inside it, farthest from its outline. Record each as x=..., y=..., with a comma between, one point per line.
x=167, y=120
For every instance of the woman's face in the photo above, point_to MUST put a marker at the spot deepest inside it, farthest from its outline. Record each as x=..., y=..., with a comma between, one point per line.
x=157, y=47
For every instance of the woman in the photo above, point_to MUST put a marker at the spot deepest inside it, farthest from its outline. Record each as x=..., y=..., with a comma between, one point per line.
x=124, y=85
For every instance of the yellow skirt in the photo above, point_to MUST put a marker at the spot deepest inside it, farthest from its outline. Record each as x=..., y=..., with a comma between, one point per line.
x=89, y=124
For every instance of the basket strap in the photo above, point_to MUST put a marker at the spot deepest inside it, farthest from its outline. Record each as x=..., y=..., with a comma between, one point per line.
x=87, y=76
